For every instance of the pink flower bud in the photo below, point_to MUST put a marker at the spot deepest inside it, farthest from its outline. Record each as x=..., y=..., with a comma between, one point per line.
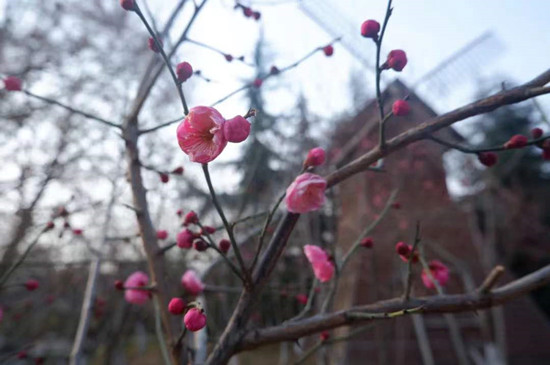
x=397, y=60
x=50, y=225
x=396, y=205
x=247, y=12
x=136, y=296
x=12, y=83
x=153, y=45
x=315, y=157
x=119, y=285
x=258, y=82
x=402, y=249
x=191, y=283
x=236, y=129
x=194, y=319
x=370, y=29
x=517, y=141
x=208, y=230
x=127, y=4
x=301, y=298
x=328, y=50
x=367, y=242
x=191, y=218
x=77, y=232
x=200, y=134
x=323, y=267
x=536, y=133
x=176, y=306
x=228, y=57
x=200, y=245
x=184, y=239
x=177, y=171
x=164, y=178
x=325, y=335
x=487, y=158
x=162, y=235
x=184, y=71
x=440, y=273
x=306, y=193
x=32, y=284
x=224, y=245
x=257, y=15
x=179, y=212
x=400, y=108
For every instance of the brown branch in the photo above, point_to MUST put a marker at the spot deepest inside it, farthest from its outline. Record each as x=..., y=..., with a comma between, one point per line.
x=491, y=279
x=466, y=149
x=423, y=130
x=433, y=304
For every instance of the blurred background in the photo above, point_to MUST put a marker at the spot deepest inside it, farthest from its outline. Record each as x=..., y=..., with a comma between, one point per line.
x=92, y=56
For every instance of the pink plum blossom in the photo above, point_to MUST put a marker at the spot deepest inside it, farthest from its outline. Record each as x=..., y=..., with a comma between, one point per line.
x=323, y=268
x=315, y=157
x=200, y=135
x=191, y=282
x=236, y=129
x=306, y=193
x=136, y=296
x=194, y=319
x=185, y=238
x=439, y=271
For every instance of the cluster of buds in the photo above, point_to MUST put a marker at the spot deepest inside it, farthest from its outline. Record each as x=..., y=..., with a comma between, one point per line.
x=194, y=319
x=248, y=12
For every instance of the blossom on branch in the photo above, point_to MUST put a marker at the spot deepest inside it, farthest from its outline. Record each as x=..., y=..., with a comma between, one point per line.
x=323, y=267
x=191, y=282
x=194, y=319
x=137, y=296
x=440, y=273
x=306, y=193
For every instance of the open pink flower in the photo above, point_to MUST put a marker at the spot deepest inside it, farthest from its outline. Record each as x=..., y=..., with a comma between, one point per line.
x=439, y=271
x=136, y=296
x=194, y=319
x=200, y=135
x=323, y=267
x=306, y=193
x=191, y=282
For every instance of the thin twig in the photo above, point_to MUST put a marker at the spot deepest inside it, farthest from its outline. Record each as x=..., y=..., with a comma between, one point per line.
x=491, y=279
x=378, y=42
x=236, y=250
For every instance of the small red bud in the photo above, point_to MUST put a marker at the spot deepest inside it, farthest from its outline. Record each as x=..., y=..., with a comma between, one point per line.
x=32, y=284
x=179, y=212
x=153, y=45
x=367, y=242
x=228, y=57
x=258, y=82
x=184, y=239
x=12, y=83
x=488, y=158
x=397, y=60
x=274, y=70
x=301, y=298
x=517, y=141
x=22, y=354
x=194, y=319
x=224, y=245
x=328, y=50
x=77, y=232
x=162, y=235
x=396, y=205
x=191, y=218
x=178, y=171
x=315, y=157
x=247, y=12
x=184, y=71
x=208, y=230
x=127, y=4
x=164, y=178
x=370, y=29
x=402, y=249
x=325, y=335
x=39, y=361
x=50, y=225
x=119, y=285
x=176, y=306
x=536, y=133
x=400, y=108
x=257, y=15
x=200, y=245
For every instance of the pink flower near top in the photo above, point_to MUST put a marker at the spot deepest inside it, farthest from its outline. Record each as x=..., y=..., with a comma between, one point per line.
x=136, y=296
x=191, y=282
x=306, y=193
x=315, y=157
x=200, y=135
x=194, y=319
x=323, y=268
x=439, y=271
